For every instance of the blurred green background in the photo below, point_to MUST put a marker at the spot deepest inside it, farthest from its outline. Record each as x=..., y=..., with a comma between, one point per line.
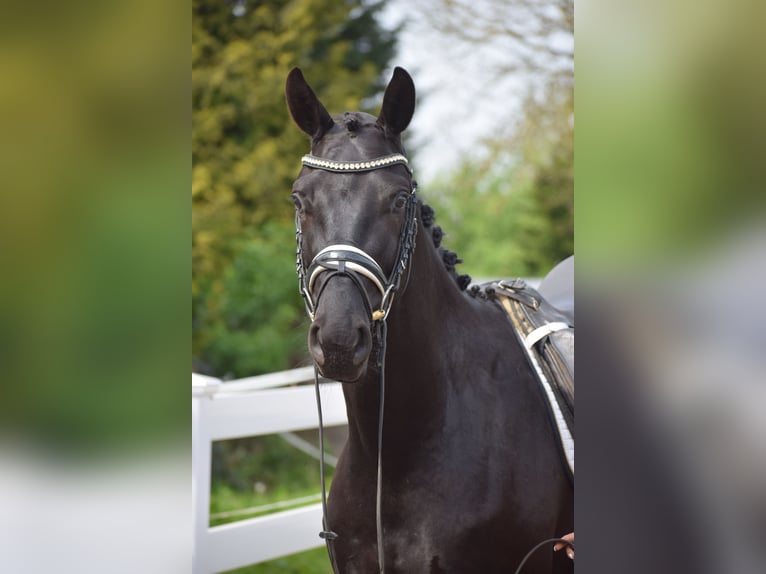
x=93, y=226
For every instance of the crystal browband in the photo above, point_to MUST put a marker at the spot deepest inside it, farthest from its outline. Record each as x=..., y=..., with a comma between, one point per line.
x=350, y=166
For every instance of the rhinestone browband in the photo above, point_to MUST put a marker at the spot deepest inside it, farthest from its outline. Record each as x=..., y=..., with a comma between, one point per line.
x=349, y=166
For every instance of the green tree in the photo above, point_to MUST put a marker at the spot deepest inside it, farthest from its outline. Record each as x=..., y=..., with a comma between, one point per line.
x=245, y=154
x=512, y=213
x=546, y=143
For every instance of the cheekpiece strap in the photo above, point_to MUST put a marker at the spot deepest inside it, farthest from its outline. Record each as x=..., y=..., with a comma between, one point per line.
x=355, y=166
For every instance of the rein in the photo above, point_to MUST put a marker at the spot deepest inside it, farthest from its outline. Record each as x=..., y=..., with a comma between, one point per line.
x=350, y=261
x=539, y=545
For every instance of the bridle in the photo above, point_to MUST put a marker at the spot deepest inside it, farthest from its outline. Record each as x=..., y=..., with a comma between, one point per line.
x=343, y=260
x=350, y=261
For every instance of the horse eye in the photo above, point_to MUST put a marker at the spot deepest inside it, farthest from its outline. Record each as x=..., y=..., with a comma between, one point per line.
x=296, y=201
x=400, y=201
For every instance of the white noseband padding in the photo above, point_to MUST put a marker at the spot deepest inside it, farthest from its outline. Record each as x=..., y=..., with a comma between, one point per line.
x=331, y=264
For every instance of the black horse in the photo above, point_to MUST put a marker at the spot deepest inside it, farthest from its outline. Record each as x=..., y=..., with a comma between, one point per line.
x=471, y=476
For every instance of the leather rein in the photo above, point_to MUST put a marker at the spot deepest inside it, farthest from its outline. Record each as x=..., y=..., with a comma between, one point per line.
x=352, y=262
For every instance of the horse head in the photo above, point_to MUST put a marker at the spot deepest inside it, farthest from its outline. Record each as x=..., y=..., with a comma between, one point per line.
x=356, y=220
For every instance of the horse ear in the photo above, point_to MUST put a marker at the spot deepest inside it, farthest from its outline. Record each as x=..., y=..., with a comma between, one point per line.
x=398, y=103
x=305, y=108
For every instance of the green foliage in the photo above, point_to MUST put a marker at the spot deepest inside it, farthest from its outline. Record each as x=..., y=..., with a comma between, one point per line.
x=245, y=154
x=512, y=214
x=259, y=315
x=547, y=146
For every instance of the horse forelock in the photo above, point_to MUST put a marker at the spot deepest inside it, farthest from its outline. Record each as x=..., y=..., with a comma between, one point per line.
x=352, y=121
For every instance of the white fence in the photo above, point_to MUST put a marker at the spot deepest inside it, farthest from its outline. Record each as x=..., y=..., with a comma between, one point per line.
x=251, y=407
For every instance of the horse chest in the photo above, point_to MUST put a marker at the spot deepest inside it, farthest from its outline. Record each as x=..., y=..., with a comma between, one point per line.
x=412, y=544
x=447, y=509
x=431, y=524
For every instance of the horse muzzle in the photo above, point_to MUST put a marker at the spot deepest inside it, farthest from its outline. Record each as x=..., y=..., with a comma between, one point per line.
x=340, y=340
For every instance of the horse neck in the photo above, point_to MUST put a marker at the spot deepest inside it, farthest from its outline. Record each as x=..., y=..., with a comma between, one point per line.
x=426, y=323
x=427, y=314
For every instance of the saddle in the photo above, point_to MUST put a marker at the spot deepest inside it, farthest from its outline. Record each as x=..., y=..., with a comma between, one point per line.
x=543, y=320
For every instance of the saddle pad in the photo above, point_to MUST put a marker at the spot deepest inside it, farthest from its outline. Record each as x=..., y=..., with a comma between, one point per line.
x=547, y=336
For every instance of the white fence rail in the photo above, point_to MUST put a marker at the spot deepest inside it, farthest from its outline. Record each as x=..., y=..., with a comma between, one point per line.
x=251, y=407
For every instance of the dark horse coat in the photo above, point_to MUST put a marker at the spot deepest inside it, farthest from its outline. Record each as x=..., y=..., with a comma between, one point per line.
x=472, y=479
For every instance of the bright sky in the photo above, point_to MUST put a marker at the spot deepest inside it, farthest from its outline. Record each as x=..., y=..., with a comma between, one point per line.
x=456, y=107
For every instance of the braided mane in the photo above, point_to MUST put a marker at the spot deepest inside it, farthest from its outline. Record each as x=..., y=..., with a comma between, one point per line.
x=449, y=258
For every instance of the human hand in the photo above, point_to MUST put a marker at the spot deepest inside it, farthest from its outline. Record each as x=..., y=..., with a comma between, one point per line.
x=559, y=545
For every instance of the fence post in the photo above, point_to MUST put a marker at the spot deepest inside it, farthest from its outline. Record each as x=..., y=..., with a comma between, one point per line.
x=203, y=389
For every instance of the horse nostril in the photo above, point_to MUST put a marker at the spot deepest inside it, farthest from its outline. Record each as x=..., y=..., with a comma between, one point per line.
x=315, y=344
